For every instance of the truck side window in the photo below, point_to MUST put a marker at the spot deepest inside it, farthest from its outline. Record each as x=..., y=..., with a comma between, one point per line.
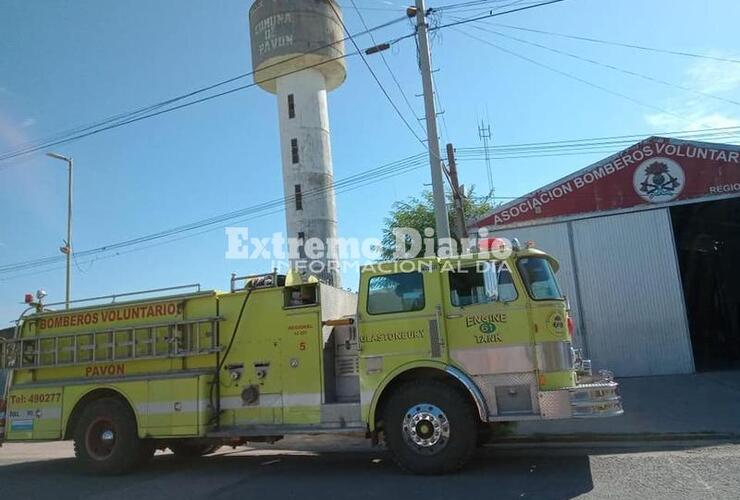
x=485, y=282
x=392, y=293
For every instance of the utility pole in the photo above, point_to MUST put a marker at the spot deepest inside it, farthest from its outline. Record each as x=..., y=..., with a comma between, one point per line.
x=425, y=65
x=67, y=248
x=457, y=194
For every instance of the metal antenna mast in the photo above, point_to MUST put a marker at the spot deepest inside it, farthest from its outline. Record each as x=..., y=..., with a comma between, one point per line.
x=484, y=134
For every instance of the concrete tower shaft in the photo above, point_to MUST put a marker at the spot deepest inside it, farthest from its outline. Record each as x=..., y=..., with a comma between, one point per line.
x=307, y=168
x=297, y=51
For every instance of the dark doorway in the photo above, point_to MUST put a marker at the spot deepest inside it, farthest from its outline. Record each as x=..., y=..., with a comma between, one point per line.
x=708, y=246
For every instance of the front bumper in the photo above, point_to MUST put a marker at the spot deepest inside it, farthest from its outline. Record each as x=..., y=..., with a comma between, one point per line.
x=593, y=396
x=598, y=399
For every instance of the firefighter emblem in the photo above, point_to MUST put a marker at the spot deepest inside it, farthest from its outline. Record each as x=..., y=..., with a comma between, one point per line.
x=658, y=180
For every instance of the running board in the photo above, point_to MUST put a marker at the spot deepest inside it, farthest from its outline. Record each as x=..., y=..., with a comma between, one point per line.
x=247, y=431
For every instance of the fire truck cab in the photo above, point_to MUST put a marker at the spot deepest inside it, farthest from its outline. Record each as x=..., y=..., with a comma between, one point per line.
x=427, y=355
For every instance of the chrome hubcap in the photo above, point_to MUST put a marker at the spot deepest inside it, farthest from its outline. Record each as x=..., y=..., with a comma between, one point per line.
x=101, y=438
x=426, y=428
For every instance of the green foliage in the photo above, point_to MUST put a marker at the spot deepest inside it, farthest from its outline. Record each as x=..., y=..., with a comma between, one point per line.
x=417, y=212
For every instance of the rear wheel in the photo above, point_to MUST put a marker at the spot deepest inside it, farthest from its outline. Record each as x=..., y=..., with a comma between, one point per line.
x=430, y=428
x=106, y=438
x=188, y=449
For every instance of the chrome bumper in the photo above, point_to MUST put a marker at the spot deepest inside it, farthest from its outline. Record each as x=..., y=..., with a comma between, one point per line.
x=593, y=396
x=598, y=399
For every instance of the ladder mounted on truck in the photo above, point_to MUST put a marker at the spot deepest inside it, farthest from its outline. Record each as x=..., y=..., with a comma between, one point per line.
x=173, y=339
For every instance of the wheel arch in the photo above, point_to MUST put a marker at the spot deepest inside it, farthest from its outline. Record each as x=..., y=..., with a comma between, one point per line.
x=89, y=397
x=431, y=370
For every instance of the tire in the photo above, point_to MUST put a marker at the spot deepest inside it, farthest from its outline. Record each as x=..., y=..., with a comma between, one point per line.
x=429, y=427
x=188, y=449
x=106, y=439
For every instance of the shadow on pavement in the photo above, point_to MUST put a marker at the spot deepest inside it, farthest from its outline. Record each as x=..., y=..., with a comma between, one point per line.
x=287, y=474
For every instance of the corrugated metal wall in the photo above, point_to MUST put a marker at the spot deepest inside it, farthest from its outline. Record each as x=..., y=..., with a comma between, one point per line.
x=622, y=280
x=633, y=305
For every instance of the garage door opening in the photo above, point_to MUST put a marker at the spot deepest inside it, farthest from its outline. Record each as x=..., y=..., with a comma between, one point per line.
x=708, y=245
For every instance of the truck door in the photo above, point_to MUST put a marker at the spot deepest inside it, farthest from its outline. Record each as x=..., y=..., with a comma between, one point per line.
x=400, y=315
x=486, y=319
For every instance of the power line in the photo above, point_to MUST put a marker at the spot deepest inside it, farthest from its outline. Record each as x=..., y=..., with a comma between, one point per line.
x=494, y=14
x=480, y=10
x=376, y=174
x=375, y=77
x=419, y=164
x=136, y=115
x=479, y=154
x=55, y=139
x=572, y=76
x=623, y=44
x=612, y=67
x=579, y=152
x=387, y=66
x=475, y=4
x=678, y=133
x=441, y=113
x=180, y=106
x=571, y=147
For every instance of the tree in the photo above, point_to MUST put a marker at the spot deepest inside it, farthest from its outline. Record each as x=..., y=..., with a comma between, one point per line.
x=417, y=212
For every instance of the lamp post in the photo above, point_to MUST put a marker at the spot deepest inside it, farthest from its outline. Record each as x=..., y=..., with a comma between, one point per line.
x=67, y=248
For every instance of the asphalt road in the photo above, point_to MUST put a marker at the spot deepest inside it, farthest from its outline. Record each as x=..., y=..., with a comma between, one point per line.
x=334, y=471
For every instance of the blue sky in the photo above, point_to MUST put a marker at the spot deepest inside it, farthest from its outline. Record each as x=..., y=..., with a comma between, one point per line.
x=65, y=63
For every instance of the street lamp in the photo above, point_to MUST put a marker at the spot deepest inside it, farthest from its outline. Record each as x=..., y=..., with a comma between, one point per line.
x=67, y=248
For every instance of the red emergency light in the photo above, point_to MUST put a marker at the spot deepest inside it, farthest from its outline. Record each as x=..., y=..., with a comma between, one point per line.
x=571, y=326
x=28, y=298
x=488, y=244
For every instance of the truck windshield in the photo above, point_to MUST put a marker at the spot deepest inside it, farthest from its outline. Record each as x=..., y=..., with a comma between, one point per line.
x=539, y=278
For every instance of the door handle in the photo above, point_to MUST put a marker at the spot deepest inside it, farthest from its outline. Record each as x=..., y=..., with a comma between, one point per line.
x=453, y=316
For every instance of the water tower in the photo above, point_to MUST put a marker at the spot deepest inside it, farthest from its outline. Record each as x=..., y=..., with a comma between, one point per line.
x=297, y=51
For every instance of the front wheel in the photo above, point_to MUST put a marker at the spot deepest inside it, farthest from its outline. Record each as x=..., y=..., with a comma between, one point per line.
x=430, y=428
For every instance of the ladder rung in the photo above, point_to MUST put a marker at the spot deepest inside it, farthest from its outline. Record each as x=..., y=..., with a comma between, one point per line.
x=183, y=338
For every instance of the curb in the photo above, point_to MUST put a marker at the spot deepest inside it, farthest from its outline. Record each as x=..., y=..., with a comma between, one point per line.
x=612, y=439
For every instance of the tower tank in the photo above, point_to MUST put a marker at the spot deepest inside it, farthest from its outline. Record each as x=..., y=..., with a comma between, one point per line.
x=297, y=54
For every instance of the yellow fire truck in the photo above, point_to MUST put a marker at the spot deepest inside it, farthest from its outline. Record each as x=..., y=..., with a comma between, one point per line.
x=430, y=353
